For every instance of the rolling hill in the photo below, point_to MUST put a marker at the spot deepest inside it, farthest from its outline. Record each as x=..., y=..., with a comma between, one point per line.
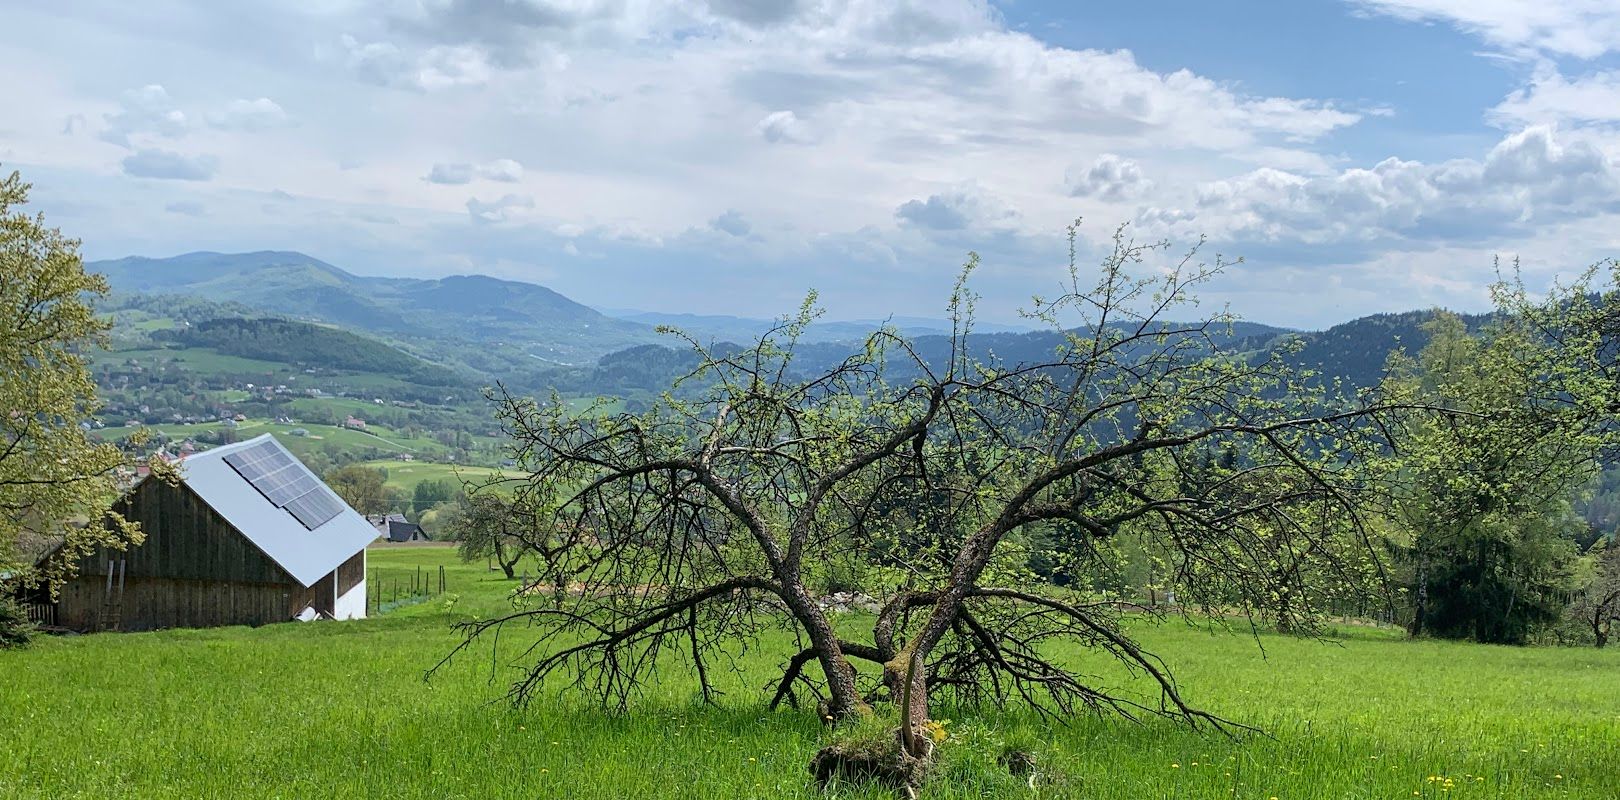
x=511, y=315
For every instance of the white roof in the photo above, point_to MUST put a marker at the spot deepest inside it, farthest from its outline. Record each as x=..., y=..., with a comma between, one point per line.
x=307, y=555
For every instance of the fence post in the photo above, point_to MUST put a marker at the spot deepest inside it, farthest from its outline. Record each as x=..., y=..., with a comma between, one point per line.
x=441, y=579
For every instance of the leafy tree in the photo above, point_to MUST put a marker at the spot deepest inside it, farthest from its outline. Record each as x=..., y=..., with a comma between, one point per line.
x=712, y=515
x=428, y=494
x=365, y=489
x=55, y=482
x=1486, y=532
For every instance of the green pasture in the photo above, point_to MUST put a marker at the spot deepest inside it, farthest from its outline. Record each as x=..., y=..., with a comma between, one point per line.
x=407, y=474
x=341, y=709
x=319, y=436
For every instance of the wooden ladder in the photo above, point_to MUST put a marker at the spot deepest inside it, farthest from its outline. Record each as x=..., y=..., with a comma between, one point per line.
x=112, y=615
x=112, y=605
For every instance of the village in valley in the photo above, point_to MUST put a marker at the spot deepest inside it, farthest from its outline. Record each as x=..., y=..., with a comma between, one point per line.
x=810, y=399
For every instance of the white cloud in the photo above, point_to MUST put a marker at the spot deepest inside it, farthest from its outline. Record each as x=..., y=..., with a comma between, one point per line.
x=731, y=222
x=1550, y=97
x=1579, y=28
x=249, y=115
x=1108, y=178
x=1529, y=177
x=784, y=126
x=508, y=208
x=758, y=12
x=502, y=170
x=144, y=111
x=169, y=165
x=961, y=208
x=450, y=174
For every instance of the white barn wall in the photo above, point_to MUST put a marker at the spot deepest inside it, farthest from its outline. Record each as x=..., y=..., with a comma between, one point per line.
x=352, y=604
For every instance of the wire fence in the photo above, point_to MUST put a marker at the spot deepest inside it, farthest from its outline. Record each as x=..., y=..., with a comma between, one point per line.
x=388, y=589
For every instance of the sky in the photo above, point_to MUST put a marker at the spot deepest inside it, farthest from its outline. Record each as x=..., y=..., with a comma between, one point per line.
x=726, y=156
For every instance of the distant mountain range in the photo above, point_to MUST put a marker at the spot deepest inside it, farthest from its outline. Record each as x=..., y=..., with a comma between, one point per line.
x=533, y=336
x=463, y=308
x=723, y=328
x=522, y=316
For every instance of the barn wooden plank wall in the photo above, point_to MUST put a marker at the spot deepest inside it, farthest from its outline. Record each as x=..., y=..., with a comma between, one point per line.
x=351, y=573
x=152, y=603
x=193, y=570
x=185, y=540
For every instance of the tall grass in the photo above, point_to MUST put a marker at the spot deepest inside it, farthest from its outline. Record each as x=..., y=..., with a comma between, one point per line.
x=330, y=709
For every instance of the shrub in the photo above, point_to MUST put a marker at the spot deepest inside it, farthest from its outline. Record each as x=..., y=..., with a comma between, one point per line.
x=16, y=630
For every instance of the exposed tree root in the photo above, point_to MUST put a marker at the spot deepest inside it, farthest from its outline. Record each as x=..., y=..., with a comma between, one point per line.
x=882, y=761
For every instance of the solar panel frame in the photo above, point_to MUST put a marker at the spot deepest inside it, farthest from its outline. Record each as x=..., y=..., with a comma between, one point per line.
x=286, y=483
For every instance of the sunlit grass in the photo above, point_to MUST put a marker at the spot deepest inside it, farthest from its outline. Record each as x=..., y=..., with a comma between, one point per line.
x=315, y=710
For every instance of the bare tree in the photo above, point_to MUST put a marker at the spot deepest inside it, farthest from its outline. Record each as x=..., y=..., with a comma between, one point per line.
x=942, y=469
x=489, y=525
x=1597, y=606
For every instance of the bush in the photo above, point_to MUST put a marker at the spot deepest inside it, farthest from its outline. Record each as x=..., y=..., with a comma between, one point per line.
x=16, y=631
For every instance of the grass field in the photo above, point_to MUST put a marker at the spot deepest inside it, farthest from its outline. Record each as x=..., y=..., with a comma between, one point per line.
x=407, y=474
x=375, y=437
x=341, y=709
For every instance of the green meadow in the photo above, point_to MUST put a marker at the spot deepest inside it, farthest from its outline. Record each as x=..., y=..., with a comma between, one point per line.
x=407, y=474
x=342, y=709
x=317, y=437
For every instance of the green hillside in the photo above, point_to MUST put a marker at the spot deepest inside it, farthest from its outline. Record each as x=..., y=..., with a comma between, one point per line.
x=524, y=319
x=306, y=344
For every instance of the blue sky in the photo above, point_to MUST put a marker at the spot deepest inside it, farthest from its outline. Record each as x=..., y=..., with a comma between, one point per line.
x=723, y=156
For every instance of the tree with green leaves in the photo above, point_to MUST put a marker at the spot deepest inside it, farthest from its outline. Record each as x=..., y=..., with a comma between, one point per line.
x=56, y=482
x=365, y=489
x=713, y=515
x=430, y=493
x=1484, y=524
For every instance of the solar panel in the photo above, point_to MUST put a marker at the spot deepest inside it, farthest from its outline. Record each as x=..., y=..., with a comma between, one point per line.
x=316, y=507
x=286, y=483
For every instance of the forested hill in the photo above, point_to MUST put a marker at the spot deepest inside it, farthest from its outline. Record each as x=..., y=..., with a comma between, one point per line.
x=534, y=339
x=305, y=344
x=517, y=317
x=1354, y=353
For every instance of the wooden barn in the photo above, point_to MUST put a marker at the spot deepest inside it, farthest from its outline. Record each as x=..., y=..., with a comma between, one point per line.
x=249, y=536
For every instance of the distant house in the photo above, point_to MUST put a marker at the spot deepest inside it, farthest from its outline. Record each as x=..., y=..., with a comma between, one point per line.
x=248, y=536
x=395, y=528
x=354, y=423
